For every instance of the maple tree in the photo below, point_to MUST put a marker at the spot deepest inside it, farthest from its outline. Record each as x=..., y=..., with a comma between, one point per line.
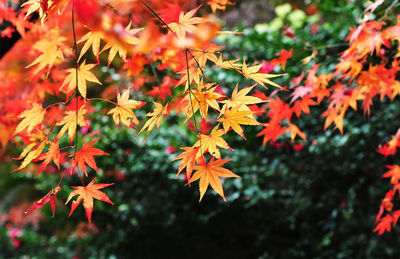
x=177, y=38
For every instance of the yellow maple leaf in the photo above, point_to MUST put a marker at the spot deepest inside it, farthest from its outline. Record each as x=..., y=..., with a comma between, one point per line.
x=35, y=5
x=241, y=99
x=211, y=143
x=260, y=78
x=186, y=23
x=50, y=46
x=70, y=121
x=227, y=64
x=124, y=110
x=155, y=117
x=92, y=38
x=31, y=118
x=209, y=175
x=232, y=118
x=83, y=75
x=33, y=150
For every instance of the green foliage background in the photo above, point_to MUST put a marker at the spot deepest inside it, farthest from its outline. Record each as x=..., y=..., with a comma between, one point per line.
x=319, y=202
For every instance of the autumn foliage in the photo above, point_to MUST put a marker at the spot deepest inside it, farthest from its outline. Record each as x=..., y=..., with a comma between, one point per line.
x=54, y=82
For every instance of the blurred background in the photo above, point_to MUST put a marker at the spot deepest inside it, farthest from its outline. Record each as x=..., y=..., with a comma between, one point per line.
x=314, y=199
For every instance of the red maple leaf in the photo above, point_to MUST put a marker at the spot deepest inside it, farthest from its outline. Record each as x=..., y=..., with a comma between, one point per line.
x=85, y=156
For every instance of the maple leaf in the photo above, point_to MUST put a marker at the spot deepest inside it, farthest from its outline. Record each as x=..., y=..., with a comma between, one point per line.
x=49, y=197
x=203, y=97
x=284, y=55
x=209, y=175
x=219, y=4
x=260, y=78
x=384, y=224
x=31, y=118
x=194, y=75
x=52, y=154
x=83, y=75
x=393, y=173
x=93, y=39
x=271, y=131
x=85, y=156
x=390, y=147
x=303, y=105
x=185, y=23
x=171, y=13
x=120, y=46
x=160, y=91
x=241, y=99
x=188, y=160
x=349, y=67
x=294, y=130
x=301, y=91
x=207, y=53
x=31, y=152
x=227, y=64
x=334, y=115
x=87, y=194
x=210, y=143
x=156, y=117
x=50, y=48
x=70, y=121
x=232, y=118
x=41, y=6
x=124, y=110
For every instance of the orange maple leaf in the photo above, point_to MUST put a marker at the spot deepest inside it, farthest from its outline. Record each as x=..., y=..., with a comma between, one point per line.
x=85, y=156
x=219, y=4
x=294, y=131
x=211, y=143
x=393, y=174
x=188, y=160
x=52, y=154
x=209, y=175
x=203, y=97
x=87, y=193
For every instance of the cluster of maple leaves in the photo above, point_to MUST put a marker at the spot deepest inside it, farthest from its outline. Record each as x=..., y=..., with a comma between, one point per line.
x=69, y=32
x=59, y=54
